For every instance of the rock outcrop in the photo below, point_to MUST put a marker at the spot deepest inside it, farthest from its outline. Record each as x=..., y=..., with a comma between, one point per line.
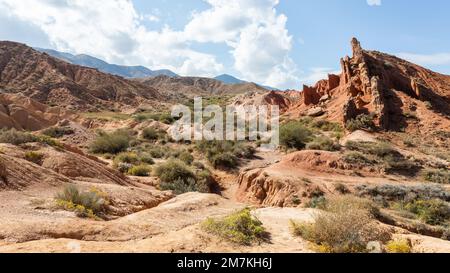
x=22, y=113
x=379, y=84
x=281, y=99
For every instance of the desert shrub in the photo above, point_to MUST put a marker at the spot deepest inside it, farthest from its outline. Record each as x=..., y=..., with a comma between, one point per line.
x=146, y=159
x=361, y=122
x=58, y=132
x=388, y=192
x=198, y=165
x=150, y=134
x=294, y=135
x=341, y=188
x=126, y=157
x=324, y=144
x=180, y=186
x=433, y=212
x=327, y=126
x=34, y=157
x=437, y=176
x=240, y=227
x=225, y=154
x=226, y=160
x=392, y=160
x=244, y=151
x=186, y=157
x=12, y=136
x=317, y=202
x=140, y=170
x=85, y=204
x=173, y=170
x=157, y=152
x=346, y=227
x=50, y=141
x=356, y=158
x=398, y=246
x=396, y=164
x=123, y=167
x=349, y=203
x=379, y=149
x=112, y=143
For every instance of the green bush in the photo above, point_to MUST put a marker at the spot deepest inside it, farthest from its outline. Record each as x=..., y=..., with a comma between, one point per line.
x=112, y=143
x=395, y=164
x=240, y=228
x=180, y=186
x=126, y=157
x=294, y=135
x=147, y=159
x=157, y=152
x=225, y=154
x=186, y=157
x=161, y=117
x=361, y=122
x=12, y=136
x=58, y=132
x=356, y=158
x=327, y=126
x=140, y=170
x=174, y=170
x=437, y=176
x=34, y=157
x=150, y=134
x=84, y=203
x=379, y=149
x=324, y=144
x=50, y=141
x=433, y=212
x=226, y=160
x=175, y=175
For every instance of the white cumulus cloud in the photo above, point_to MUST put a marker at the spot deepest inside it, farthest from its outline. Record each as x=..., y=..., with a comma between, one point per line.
x=112, y=30
x=257, y=35
x=254, y=31
x=374, y=2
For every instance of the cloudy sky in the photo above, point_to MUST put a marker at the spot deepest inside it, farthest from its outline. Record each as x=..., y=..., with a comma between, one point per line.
x=281, y=43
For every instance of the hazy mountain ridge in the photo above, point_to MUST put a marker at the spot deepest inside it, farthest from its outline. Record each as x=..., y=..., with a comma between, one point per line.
x=118, y=70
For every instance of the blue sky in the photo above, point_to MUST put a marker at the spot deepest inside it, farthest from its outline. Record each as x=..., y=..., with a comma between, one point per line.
x=281, y=43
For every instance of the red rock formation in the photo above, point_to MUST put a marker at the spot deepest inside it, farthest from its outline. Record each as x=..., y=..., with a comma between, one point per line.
x=22, y=113
x=313, y=95
x=52, y=81
x=379, y=84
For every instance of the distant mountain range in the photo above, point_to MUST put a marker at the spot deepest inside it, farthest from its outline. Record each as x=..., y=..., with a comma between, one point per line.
x=228, y=79
x=118, y=70
x=129, y=71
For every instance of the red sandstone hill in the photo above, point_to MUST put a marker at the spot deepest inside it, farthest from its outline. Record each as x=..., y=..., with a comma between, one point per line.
x=388, y=87
x=52, y=81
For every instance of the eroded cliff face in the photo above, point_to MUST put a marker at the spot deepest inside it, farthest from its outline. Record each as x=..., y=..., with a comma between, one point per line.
x=48, y=80
x=379, y=84
x=23, y=113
